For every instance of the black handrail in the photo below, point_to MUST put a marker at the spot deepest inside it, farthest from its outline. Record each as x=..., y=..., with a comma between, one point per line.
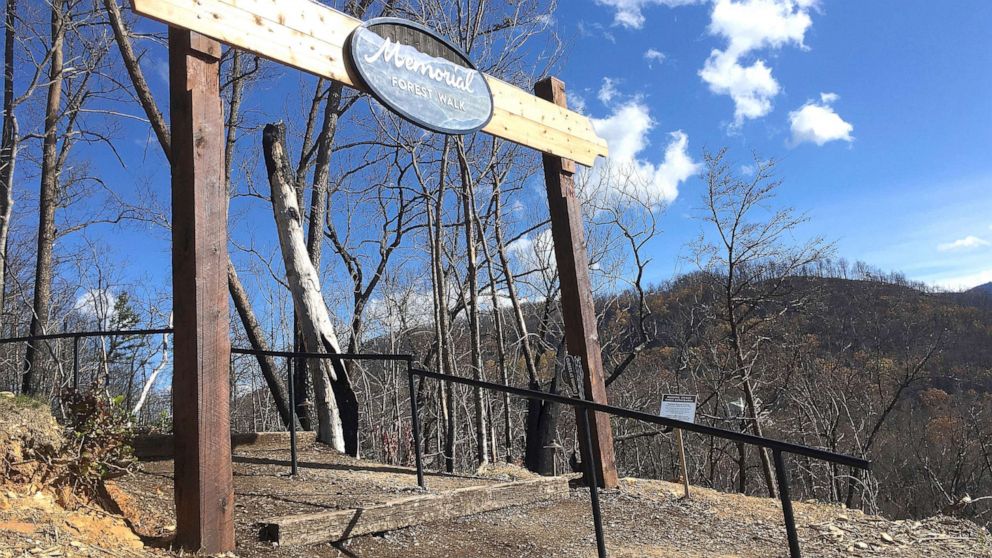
x=77, y=335
x=732, y=435
x=290, y=355
x=778, y=447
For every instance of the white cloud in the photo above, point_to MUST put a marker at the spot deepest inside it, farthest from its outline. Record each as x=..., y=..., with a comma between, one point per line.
x=969, y=242
x=964, y=282
x=97, y=305
x=608, y=91
x=654, y=55
x=577, y=103
x=751, y=87
x=395, y=310
x=754, y=24
x=536, y=253
x=627, y=173
x=628, y=13
x=818, y=123
x=750, y=25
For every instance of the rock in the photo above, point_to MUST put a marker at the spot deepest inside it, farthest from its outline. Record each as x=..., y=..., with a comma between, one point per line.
x=862, y=545
x=887, y=538
x=7, y=395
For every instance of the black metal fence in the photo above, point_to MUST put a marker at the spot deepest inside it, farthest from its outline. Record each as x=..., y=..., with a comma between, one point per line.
x=292, y=355
x=76, y=336
x=778, y=448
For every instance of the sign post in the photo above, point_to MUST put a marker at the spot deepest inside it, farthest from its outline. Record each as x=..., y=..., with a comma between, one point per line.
x=577, y=307
x=683, y=408
x=200, y=381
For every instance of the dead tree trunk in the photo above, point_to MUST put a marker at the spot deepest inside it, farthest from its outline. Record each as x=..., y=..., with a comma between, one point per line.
x=472, y=306
x=446, y=361
x=8, y=147
x=256, y=338
x=141, y=89
x=304, y=283
x=542, y=416
x=49, y=199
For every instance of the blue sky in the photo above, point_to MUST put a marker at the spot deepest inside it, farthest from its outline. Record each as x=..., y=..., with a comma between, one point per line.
x=905, y=188
x=878, y=113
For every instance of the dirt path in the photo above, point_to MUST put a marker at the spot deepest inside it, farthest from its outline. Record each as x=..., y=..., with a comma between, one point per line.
x=645, y=519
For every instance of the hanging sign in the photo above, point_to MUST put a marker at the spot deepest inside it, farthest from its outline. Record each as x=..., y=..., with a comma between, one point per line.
x=421, y=76
x=678, y=407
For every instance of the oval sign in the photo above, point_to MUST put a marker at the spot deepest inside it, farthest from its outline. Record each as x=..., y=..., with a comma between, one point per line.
x=421, y=76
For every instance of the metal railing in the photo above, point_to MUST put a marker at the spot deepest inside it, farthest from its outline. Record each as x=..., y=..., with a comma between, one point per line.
x=778, y=447
x=76, y=336
x=291, y=395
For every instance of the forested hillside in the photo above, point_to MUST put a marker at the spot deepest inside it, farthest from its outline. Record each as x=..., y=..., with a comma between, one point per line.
x=869, y=365
x=864, y=366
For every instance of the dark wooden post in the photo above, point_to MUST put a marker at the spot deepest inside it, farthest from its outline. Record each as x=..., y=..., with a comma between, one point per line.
x=577, y=307
x=200, y=389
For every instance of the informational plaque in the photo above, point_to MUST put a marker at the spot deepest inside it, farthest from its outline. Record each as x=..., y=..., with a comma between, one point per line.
x=678, y=407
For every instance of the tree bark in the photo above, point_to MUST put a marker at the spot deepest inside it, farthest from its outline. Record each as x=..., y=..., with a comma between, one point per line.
x=500, y=342
x=8, y=149
x=256, y=338
x=475, y=332
x=49, y=198
x=131, y=64
x=238, y=295
x=542, y=416
x=318, y=331
x=442, y=329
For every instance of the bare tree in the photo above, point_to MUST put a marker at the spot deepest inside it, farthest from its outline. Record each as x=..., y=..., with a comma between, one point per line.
x=8, y=146
x=318, y=332
x=753, y=262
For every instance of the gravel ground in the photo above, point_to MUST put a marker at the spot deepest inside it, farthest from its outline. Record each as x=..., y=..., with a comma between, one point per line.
x=644, y=519
x=647, y=519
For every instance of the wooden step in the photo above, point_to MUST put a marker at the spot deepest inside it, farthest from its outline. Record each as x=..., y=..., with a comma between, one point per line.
x=408, y=511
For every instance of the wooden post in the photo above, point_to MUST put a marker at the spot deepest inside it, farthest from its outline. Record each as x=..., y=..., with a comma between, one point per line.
x=200, y=389
x=576, y=291
x=685, y=468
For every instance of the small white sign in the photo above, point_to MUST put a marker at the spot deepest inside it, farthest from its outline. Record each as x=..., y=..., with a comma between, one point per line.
x=678, y=407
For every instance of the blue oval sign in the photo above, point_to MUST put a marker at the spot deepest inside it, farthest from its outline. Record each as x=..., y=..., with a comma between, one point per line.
x=421, y=76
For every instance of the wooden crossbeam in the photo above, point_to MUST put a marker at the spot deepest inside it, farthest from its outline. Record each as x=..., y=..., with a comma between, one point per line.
x=311, y=37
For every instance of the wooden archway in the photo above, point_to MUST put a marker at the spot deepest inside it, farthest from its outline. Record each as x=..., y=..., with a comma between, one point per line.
x=311, y=37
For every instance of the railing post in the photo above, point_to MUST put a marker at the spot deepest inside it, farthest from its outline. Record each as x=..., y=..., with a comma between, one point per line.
x=783, y=492
x=292, y=417
x=593, y=478
x=75, y=363
x=415, y=425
